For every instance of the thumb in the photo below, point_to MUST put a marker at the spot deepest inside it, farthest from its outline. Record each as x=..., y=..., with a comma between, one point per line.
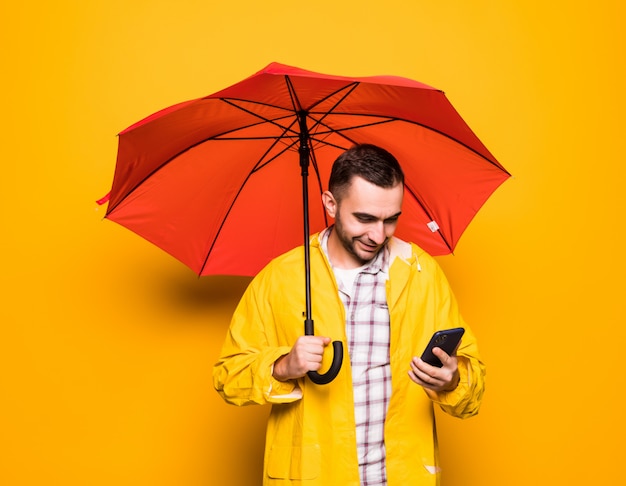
x=326, y=341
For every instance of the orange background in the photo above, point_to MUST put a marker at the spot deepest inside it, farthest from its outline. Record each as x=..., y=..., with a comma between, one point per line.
x=107, y=343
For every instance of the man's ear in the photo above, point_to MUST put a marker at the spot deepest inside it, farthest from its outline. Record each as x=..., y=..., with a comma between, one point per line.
x=330, y=203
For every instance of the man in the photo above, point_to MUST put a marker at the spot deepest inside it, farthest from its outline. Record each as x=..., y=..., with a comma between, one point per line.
x=383, y=298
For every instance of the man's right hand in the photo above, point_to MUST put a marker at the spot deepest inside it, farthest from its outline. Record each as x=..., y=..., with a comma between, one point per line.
x=306, y=355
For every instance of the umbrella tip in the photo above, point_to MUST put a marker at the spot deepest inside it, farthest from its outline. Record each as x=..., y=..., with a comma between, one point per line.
x=104, y=199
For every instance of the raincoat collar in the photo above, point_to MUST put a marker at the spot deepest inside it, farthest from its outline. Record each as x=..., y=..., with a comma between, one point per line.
x=402, y=262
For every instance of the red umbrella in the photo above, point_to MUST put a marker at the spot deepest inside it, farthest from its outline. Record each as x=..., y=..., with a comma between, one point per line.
x=215, y=181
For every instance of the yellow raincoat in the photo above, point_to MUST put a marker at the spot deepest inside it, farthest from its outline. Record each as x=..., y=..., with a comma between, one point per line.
x=311, y=436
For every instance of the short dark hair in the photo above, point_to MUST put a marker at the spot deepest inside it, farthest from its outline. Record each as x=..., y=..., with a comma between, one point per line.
x=372, y=163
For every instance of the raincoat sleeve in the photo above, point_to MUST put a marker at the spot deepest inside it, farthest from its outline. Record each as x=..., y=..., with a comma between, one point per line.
x=243, y=373
x=464, y=401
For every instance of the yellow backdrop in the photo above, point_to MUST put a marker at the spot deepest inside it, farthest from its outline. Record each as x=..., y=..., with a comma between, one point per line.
x=107, y=343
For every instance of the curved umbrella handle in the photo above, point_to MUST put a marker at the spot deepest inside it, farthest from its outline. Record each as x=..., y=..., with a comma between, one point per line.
x=332, y=372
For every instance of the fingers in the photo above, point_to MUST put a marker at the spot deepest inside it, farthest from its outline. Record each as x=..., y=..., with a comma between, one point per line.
x=424, y=374
x=314, y=351
x=438, y=379
x=311, y=345
x=305, y=355
x=326, y=340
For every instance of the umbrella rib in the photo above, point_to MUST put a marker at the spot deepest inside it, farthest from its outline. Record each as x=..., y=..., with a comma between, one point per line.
x=421, y=204
x=340, y=131
x=219, y=230
x=232, y=102
x=349, y=88
x=219, y=136
x=399, y=119
x=295, y=102
x=256, y=168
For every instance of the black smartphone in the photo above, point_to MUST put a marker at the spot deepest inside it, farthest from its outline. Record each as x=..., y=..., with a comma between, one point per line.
x=447, y=340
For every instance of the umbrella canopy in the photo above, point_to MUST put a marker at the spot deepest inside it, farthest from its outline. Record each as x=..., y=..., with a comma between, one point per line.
x=215, y=181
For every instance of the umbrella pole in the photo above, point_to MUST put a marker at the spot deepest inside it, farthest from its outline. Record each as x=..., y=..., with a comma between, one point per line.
x=303, y=150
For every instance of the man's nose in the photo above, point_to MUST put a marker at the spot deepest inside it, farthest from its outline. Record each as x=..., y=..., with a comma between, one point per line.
x=377, y=233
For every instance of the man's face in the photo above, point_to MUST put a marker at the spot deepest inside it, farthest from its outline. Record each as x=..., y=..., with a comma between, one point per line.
x=366, y=217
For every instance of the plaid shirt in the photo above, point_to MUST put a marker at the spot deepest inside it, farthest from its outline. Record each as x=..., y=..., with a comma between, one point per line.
x=367, y=328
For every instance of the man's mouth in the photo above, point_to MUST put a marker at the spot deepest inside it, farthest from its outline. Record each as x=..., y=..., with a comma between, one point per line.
x=369, y=248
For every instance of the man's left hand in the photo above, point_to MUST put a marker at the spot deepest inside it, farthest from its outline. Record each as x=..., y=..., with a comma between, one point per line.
x=442, y=379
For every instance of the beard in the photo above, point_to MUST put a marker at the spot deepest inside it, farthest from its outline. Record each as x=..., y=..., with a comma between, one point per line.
x=349, y=243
